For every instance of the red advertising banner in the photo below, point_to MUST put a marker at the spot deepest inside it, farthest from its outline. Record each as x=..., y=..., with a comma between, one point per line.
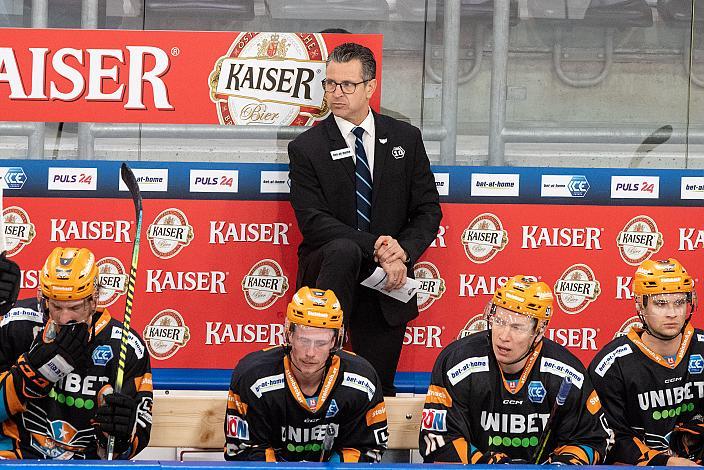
x=215, y=276
x=176, y=77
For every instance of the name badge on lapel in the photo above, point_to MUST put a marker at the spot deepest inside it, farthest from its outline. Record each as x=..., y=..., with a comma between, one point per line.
x=341, y=153
x=398, y=152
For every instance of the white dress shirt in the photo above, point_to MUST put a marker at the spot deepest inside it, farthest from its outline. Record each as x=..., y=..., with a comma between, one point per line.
x=346, y=128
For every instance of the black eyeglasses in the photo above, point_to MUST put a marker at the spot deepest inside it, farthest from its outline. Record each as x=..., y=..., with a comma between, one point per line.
x=347, y=87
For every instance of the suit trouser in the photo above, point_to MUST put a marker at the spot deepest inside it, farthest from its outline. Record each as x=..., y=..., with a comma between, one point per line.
x=337, y=266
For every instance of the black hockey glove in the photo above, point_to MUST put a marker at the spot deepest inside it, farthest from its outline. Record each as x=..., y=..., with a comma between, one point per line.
x=9, y=283
x=55, y=357
x=116, y=417
x=687, y=439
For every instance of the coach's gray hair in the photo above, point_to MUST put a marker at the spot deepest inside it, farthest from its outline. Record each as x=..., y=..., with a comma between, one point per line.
x=349, y=51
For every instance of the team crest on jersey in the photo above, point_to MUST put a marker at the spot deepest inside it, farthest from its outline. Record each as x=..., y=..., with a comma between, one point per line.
x=475, y=324
x=62, y=432
x=536, y=391
x=169, y=233
x=102, y=355
x=576, y=288
x=271, y=78
x=633, y=322
x=696, y=364
x=332, y=409
x=112, y=278
x=264, y=284
x=165, y=334
x=483, y=238
x=19, y=230
x=639, y=240
x=432, y=286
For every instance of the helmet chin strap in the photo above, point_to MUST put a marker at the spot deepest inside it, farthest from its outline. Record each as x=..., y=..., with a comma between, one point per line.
x=652, y=333
x=293, y=363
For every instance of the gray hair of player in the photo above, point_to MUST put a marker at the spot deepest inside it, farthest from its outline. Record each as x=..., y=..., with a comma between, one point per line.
x=350, y=51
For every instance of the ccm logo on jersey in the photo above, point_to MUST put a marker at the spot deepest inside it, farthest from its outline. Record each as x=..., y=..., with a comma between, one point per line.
x=434, y=420
x=237, y=427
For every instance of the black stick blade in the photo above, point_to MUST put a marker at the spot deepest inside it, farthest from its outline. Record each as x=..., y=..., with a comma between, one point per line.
x=131, y=182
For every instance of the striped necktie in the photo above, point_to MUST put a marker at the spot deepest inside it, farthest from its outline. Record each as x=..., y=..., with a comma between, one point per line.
x=364, y=183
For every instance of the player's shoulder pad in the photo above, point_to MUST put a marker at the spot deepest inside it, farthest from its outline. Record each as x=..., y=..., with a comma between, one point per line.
x=353, y=363
x=258, y=365
x=22, y=314
x=133, y=339
x=465, y=357
x=557, y=360
x=357, y=374
x=610, y=354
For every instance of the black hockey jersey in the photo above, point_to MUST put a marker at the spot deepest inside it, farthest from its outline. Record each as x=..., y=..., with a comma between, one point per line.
x=269, y=418
x=472, y=414
x=58, y=426
x=645, y=395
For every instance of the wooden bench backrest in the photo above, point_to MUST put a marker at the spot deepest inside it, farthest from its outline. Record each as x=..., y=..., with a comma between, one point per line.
x=197, y=421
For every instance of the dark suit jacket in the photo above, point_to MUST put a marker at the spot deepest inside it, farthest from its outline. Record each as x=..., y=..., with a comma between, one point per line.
x=405, y=201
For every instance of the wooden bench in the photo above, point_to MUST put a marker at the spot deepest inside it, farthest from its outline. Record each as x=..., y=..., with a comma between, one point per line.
x=195, y=420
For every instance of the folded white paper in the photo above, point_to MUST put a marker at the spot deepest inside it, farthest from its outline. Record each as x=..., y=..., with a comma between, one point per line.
x=377, y=281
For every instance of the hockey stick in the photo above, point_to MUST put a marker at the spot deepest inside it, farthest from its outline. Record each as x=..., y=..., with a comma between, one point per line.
x=560, y=399
x=328, y=441
x=131, y=183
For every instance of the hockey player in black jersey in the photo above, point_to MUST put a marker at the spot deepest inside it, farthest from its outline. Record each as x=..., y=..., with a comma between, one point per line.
x=307, y=400
x=491, y=392
x=653, y=378
x=58, y=361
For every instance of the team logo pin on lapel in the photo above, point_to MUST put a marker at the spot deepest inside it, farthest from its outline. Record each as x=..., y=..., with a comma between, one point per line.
x=398, y=152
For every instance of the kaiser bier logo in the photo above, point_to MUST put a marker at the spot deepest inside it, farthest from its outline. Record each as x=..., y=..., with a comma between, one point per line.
x=483, y=238
x=576, y=288
x=432, y=286
x=475, y=324
x=169, y=233
x=19, y=230
x=633, y=322
x=638, y=240
x=271, y=78
x=264, y=284
x=165, y=334
x=112, y=279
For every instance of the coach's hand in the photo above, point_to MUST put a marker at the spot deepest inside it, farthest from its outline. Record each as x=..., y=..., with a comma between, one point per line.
x=396, y=274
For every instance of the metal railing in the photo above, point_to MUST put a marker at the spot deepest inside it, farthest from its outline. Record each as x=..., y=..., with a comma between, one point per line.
x=445, y=133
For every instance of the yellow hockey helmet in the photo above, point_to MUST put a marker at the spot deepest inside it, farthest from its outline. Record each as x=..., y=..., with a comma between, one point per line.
x=525, y=295
x=69, y=274
x=315, y=307
x=661, y=277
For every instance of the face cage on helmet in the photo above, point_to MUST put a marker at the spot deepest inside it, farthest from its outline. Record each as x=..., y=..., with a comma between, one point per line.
x=691, y=300
x=490, y=311
x=339, y=336
x=43, y=306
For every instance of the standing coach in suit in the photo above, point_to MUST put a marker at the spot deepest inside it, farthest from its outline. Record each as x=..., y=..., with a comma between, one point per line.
x=364, y=196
